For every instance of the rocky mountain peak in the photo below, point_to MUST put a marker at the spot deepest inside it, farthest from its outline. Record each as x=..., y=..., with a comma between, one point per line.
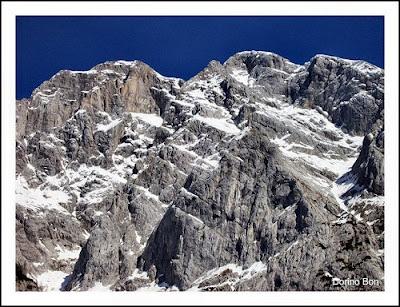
x=127, y=179
x=252, y=60
x=358, y=65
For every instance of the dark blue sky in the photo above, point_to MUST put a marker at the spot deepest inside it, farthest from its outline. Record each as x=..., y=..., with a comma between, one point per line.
x=182, y=46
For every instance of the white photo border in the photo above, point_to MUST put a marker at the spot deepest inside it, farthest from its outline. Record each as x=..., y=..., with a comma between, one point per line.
x=388, y=9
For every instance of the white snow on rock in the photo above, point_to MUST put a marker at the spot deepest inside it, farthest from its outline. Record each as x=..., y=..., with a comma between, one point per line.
x=243, y=274
x=80, y=111
x=292, y=245
x=360, y=65
x=151, y=119
x=376, y=200
x=138, y=237
x=51, y=280
x=154, y=287
x=87, y=72
x=241, y=76
x=339, y=188
x=336, y=166
x=110, y=125
x=146, y=192
x=150, y=286
x=138, y=274
x=127, y=63
x=195, y=218
x=66, y=254
x=86, y=234
x=186, y=192
x=196, y=95
x=219, y=123
x=106, y=181
x=308, y=121
x=92, y=184
x=365, y=67
x=40, y=199
x=99, y=287
x=212, y=160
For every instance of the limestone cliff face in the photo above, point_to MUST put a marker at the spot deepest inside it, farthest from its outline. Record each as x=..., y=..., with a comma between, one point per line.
x=255, y=174
x=370, y=164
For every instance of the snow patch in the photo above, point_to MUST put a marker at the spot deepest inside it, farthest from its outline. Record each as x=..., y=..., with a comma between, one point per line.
x=110, y=125
x=103, y=182
x=146, y=192
x=86, y=72
x=243, y=274
x=126, y=63
x=40, y=199
x=195, y=218
x=98, y=286
x=336, y=166
x=151, y=119
x=65, y=254
x=51, y=280
x=186, y=192
x=241, y=76
x=219, y=123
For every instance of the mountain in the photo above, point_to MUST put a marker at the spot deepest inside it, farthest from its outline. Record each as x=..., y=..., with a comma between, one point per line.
x=255, y=174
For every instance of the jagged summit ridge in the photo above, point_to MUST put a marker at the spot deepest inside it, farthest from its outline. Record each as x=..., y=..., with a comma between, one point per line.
x=127, y=179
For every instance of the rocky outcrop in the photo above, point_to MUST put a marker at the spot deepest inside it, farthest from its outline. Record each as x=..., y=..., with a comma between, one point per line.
x=255, y=174
x=351, y=92
x=223, y=217
x=369, y=166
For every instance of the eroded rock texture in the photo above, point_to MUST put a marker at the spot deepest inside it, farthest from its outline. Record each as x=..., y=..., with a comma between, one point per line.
x=255, y=174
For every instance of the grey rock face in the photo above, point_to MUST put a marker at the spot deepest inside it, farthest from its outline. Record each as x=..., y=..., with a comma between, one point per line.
x=211, y=207
x=255, y=174
x=99, y=259
x=369, y=166
x=351, y=92
x=208, y=226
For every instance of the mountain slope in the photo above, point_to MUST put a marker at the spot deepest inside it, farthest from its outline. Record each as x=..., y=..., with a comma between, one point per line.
x=255, y=174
